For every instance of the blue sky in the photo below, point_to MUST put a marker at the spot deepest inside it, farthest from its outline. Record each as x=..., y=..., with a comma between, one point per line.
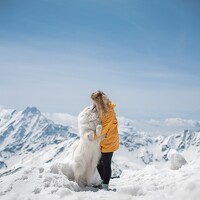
x=143, y=54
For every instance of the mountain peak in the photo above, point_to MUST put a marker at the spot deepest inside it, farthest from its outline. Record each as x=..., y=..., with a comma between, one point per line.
x=32, y=110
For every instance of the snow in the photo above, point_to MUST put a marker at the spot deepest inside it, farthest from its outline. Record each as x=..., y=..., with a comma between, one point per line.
x=144, y=162
x=176, y=159
x=149, y=182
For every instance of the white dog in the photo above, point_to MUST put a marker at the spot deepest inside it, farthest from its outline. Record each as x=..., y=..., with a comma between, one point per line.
x=85, y=153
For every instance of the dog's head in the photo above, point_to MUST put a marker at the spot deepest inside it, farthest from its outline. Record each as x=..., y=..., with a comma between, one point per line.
x=89, y=116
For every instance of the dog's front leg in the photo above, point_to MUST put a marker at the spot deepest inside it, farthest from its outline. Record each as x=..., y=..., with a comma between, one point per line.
x=90, y=135
x=98, y=129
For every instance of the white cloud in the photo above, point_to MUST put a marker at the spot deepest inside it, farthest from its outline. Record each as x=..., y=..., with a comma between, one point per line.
x=154, y=122
x=63, y=118
x=166, y=126
x=182, y=122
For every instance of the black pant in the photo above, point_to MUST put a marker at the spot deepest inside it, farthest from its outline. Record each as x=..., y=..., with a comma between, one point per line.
x=104, y=167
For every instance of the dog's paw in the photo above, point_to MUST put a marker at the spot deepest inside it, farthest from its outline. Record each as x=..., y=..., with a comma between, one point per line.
x=91, y=136
x=98, y=129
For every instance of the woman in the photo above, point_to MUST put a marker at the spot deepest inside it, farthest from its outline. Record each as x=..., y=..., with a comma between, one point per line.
x=110, y=143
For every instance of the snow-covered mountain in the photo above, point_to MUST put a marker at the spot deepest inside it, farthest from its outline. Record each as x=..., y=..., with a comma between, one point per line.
x=150, y=148
x=29, y=132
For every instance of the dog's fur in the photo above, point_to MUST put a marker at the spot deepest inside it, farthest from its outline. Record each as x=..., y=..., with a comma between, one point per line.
x=85, y=153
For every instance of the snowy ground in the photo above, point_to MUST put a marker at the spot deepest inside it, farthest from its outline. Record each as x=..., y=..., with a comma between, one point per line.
x=148, y=182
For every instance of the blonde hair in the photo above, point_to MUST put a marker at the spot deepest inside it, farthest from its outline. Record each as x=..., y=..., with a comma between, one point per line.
x=102, y=102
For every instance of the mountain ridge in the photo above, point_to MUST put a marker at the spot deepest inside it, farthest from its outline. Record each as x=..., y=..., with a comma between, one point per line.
x=30, y=133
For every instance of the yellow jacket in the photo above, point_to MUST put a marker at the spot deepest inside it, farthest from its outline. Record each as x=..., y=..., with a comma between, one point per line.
x=109, y=127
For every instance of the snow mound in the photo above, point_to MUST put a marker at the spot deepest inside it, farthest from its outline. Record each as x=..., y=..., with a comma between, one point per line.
x=176, y=159
x=38, y=181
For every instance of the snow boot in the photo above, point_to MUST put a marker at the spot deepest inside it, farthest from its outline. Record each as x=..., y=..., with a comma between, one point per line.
x=105, y=187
